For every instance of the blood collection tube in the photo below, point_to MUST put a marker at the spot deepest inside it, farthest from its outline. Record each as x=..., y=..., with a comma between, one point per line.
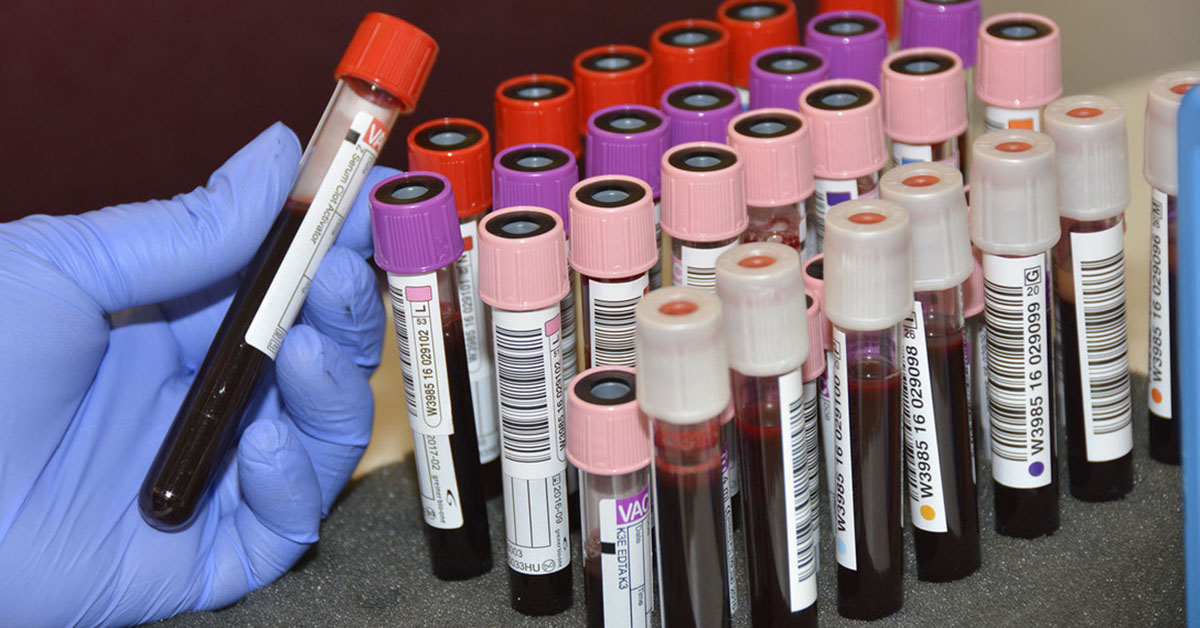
x=613, y=218
x=1160, y=169
x=461, y=150
x=762, y=300
x=541, y=175
x=703, y=209
x=689, y=50
x=630, y=140
x=814, y=282
x=523, y=276
x=849, y=151
x=778, y=75
x=608, y=439
x=606, y=76
x=699, y=111
x=1020, y=70
x=854, y=43
x=868, y=294
x=683, y=386
x=884, y=9
x=419, y=207
x=940, y=459
x=948, y=24
x=380, y=77
x=755, y=25
x=977, y=390
x=1089, y=268
x=1014, y=221
x=925, y=106
x=777, y=151
x=538, y=108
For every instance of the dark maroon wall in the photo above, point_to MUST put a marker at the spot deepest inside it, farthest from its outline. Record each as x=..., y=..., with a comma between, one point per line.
x=112, y=102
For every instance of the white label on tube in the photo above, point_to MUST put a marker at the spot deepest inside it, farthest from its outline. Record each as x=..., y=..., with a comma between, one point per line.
x=475, y=336
x=440, y=497
x=1001, y=119
x=1160, y=305
x=828, y=193
x=825, y=388
x=570, y=367
x=925, y=498
x=656, y=270
x=842, y=498
x=799, y=446
x=980, y=377
x=1098, y=261
x=697, y=268
x=1019, y=375
x=918, y=153
x=612, y=320
x=625, y=559
x=322, y=222
x=730, y=557
x=528, y=350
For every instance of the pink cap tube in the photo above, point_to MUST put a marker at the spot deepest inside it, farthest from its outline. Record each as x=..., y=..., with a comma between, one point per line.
x=814, y=281
x=703, y=192
x=924, y=96
x=613, y=217
x=606, y=433
x=815, y=364
x=522, y=259
x=846, y=120
x=777, y=150
x=1020, y=61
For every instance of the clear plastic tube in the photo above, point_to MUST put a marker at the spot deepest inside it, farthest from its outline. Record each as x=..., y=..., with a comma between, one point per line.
x=617, y=555
x=785, y=224
x=694, y=264
x=828, y=193
x=1090, y=270
x=945, y=152
x=607, y=318
x=448, y=467
x=477, y=331
x=333, y=168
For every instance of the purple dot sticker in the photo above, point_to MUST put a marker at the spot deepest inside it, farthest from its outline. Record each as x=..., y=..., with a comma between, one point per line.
x=1036, y=469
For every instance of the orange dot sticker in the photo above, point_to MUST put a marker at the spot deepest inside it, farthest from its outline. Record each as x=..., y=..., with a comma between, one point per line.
x=1084, y=112
x=678, y=308
x=1013, y=147
x=1182, y=88
x=757, y=261
x=1156, y=394
x=928, y=513
x=921, y=180
x=867, y=218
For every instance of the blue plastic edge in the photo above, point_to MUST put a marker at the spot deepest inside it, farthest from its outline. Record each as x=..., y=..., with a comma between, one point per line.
x=1189, y=336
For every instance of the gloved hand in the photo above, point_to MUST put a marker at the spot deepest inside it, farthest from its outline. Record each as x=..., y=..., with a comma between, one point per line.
x=104, y=319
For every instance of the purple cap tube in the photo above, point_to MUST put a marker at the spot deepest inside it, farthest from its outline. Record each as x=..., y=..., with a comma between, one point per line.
x=778, y=75
x=414, y=223
x=853, y=42
x=949, y=24
x=628, y=140
x=700, y=110
x=539, y=175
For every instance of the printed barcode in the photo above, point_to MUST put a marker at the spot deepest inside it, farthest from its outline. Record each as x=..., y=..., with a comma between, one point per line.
x=400, y=316
x=613, y=325
x=521, y=361
x=1103, y=283
x=1004, y=308
x=567, y=307
x=819, y=217
x=802, y=425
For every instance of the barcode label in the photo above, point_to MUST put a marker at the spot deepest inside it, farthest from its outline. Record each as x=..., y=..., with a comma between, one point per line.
x=926, y=501
x=798, y=402
x=1099, y=268
x=477, y=344
x=1000, y=119
x=437, y=481
x=612, y=321
x=656, y=270
x=918, y=153
x=827, y=193
x=567, y=311
x=529, y=386
x=322, y=221
x=625, y=559
x=727, y=502
x=1016, y=297
x=697, y=268
x=1161, y=363
x=842, y=497
x=825, y=405
x=535, y=523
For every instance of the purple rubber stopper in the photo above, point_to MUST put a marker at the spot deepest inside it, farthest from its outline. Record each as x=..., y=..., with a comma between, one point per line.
x=538, y=175
x=948, y=24
x=628, y=140
x=854, y=43
x=414, y=223
x=700, y=110
x=778, y=75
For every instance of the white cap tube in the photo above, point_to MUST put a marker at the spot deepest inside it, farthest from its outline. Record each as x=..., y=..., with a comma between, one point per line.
x=937, y=213
x=762, y=297
x=1162, y=109
x=683, y=370
x=868, y=265
x=1014, y=193
x=1091, y=155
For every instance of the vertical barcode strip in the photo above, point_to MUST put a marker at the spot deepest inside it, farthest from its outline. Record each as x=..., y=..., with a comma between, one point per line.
x=1107, y=363
x=400, y=316
x=802, y=424
x=613, y=326
x=524, y=400
x=1004, y=308
x=567, y=308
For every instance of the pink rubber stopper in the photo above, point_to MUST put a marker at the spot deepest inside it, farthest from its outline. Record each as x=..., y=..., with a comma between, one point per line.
x=703, y=206
x=815, y=364
x=924, y=108
x=817, y=287
x=779, y=169
x=1019, y=74
x=605, y=439
x=846, y=143
x=519, y=274
x=612, y=242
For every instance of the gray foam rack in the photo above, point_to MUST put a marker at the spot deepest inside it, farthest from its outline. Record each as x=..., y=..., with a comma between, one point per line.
x=1110, y=564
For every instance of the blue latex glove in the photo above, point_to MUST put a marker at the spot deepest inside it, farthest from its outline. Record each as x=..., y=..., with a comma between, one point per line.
x=104, y=319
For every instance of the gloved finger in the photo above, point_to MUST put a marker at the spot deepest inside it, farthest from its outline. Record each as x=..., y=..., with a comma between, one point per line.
x=356, y=231
x=277, y=520
x=330, y=403
x=141, y=253
x=194, y=319
x=343, y=304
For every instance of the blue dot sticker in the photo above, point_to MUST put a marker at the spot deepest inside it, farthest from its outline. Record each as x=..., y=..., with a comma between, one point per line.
x=1036, y=469
x=841, y=545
